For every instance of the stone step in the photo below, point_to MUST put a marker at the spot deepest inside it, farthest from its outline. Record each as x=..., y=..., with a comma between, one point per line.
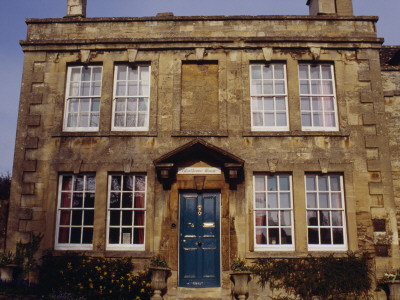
x=198, y=294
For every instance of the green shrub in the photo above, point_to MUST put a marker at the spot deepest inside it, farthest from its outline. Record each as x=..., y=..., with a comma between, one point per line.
x=96, y=277
x=311, y=276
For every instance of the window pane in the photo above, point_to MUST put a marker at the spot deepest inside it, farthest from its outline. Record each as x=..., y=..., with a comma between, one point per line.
x=143, y=104
x=120, y=104
x=304, y=87
x=88, y=218
x=280, y=103
x=286, y=236
x=280, y=87
x=338, y=236
x=286, y=218
x=303, y=72
x=314, y=71
x=323, y=200
x=306, y=119
x=96, y=73
x=133, y=73
x=133, y=88
x=337, y=219
x=279, y=74
x=281, y=119
x=312, y=200
x=285, y=200
x=139, y=200
x=312, y=218
x=89, y=200
x=261, y=218
x=336, y=200
x=114, y=218
x=127, y=200
x=127, y=218
x=272, y=200
x=128, y=183
x=256, y=72
x=116, y=183
x=257, y=103
x=87, y=237
x=311, y=183
x=330, y=119
x=257, y=119
x=114, y=236
x=324, y=218
x=138, y=237
x=335, y=183
x=323, y=183
x=313, y=237
x=273, y=236
x=76, y=217
x=144, y=73
x=140, y=183
x=260, y=200
x=268, y=103
x=273, y=218
x=139, y=218
x=131, y=120
x=126, y=236
x=75, y=235
x=268, y=87
x=256, y=87
x=121, y=88
x=326, y=72
x=65, y=200
x=259, y=183
x=90, y=183
x=77, y=200
x=63, y=235
x=269, y=119
x=267, y=72
x=67, y=183
x=272, y=183
x=261, y=236
x=305, y=104
x=325, y=236
x=119, y=120
x=65, y=216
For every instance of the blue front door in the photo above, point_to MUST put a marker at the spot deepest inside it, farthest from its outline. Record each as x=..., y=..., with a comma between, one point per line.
x=199, y=240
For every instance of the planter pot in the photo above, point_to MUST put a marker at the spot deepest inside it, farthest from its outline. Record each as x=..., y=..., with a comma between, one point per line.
x=241, y=284
x=6, y=273
x=394, y=288
x=159, y=277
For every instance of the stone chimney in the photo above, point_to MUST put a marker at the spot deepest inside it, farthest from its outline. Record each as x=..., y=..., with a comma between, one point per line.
x=76, y=8
x=330, y=7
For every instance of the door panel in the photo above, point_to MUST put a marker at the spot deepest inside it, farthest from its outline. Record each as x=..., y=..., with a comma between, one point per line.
x=199, y=242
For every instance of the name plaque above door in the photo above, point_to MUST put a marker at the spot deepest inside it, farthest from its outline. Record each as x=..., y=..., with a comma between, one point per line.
x=199, y=171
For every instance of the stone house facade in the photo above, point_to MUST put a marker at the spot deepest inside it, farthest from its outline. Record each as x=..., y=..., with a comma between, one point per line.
x=202, y=138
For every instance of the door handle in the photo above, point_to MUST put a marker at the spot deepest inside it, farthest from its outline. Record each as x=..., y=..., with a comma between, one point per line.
x=199, y=243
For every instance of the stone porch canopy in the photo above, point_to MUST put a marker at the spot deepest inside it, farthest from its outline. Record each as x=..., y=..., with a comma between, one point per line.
x=199, y=150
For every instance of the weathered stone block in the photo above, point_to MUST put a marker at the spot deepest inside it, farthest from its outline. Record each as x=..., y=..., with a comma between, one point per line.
x=375, y=188
x=29, y=165
x=28, y=189
x=35, y=98
x=31, y=142
x=33, y=120
x=374, y=165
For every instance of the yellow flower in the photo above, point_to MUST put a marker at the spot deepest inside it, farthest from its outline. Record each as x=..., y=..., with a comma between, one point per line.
x=91, y=285
x=134, y=282
x=148, y=284
x=122, y=286
x=110, y=291
x=137, y=298
x=112, y=281
x=101, y=277
x=122, y=278
x=143, y=282
x=105, y=273
x=90, y=279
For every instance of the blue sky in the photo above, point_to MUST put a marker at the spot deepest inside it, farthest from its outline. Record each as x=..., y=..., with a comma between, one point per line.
x=13, y=28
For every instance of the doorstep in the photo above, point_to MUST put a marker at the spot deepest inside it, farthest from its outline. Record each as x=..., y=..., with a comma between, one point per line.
x=197, y=294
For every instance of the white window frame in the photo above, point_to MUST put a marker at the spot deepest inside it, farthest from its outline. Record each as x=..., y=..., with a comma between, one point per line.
x=274, y=95
x=73, y=246
x=320, y=246
x=120, y=246
x=115, y=96
x=70, y=97
x=273, y=247
x=310, y=95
